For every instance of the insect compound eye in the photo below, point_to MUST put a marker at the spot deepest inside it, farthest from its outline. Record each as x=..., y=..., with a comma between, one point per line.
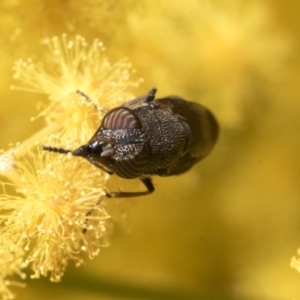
x=96, y=148
x=121, y=118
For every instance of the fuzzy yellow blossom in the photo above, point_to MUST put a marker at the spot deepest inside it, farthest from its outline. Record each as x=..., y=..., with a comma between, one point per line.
x=228, y=54
x=46, y=197
x=295, y=262
x=70, y=65
x=10, y=265
x=47, y=217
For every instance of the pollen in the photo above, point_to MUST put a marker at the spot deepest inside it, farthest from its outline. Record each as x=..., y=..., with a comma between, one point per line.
x=47, y=198
x=73, y=64
x=42, y=225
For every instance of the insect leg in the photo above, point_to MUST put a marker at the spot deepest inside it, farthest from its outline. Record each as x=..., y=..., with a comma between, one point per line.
x=91, y=211
x=96, y=106
x=147, y=182
x=149, y=97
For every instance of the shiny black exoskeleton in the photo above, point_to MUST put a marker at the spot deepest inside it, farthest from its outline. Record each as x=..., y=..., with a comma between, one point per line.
x=148, y=136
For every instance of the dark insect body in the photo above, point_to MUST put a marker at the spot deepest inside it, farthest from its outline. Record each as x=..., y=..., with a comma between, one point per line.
x=148, y=136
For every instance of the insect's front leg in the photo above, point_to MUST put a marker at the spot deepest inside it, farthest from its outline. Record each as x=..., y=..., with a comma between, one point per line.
x=96, y=106
x=91, y=211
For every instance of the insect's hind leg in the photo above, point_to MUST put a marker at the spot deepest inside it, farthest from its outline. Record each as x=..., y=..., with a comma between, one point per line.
x=146, y=181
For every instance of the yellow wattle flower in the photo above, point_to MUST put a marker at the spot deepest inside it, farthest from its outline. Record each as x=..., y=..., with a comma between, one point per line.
x=43, y=219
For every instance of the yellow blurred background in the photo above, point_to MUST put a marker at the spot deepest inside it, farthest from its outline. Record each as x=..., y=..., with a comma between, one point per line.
x=229, y=228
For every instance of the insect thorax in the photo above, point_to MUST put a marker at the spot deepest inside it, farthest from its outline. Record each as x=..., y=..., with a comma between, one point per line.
x=168, y=138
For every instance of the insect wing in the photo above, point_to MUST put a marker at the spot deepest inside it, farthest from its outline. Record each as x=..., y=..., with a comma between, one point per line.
x=203, y=126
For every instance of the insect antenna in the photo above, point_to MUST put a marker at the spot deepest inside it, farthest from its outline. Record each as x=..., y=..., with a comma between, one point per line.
x=57, y=150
